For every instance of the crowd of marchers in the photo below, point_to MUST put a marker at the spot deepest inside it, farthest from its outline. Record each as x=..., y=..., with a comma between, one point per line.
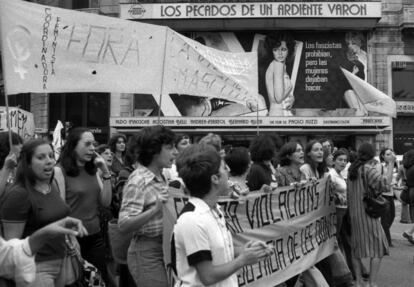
x=45, y=200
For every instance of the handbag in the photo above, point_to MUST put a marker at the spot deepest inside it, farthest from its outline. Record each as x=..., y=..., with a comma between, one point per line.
x=119, y=241
x=72, y=266
x=375, y=205
x=407, y=195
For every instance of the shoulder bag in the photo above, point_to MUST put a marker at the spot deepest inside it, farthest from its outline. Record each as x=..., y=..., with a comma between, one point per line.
x=375, y=205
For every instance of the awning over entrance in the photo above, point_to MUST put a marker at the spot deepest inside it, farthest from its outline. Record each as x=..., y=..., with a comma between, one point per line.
x=265, y=24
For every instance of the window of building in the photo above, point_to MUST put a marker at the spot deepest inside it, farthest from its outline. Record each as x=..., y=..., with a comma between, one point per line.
x=81, y=109
x=402, y=80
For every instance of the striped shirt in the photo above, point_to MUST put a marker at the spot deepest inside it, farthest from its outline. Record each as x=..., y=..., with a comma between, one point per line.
x=140, y=194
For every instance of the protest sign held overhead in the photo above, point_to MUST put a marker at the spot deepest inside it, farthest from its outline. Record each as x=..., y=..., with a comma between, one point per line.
x=194, y=69
x=48, y=49
x=52, y=50
x=298, y=223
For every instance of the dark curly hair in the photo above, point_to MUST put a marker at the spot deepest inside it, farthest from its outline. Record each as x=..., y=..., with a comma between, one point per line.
x=238, y=160
x=262, y=148
x=148, y=142
x=68, y=156
x=274, y=40
x=114, y=139
x=408, y=159
x=5, y=146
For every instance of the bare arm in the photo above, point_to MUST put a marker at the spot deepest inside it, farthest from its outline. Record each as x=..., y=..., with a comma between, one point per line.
x=105, y=196
x=13, y=229
x=68, y=225
x=9, y=164
x=210, y=274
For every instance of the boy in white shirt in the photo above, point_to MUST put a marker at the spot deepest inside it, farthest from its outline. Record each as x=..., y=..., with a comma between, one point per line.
x=202, y=246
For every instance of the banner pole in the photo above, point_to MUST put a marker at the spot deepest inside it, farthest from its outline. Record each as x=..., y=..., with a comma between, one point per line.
x=6, y=95
x=257, y=118
x=6, y=98
x=162, y=78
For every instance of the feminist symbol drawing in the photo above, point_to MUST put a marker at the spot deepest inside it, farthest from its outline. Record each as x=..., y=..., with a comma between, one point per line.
x=19, y=43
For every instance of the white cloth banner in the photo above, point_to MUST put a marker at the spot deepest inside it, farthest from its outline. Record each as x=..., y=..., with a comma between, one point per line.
x=300, y=225
x=373, y=99
x=195, y=69
x=50, y=50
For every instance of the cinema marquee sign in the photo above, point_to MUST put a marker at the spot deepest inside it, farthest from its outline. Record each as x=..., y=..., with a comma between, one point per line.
x=251, y=10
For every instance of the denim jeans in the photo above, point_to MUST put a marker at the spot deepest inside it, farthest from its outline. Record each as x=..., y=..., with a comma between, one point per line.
x=47, y=274
x=388, y=218
x=146, y=262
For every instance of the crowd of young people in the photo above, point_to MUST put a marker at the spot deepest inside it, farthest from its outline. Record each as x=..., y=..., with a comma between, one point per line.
x=129, y=181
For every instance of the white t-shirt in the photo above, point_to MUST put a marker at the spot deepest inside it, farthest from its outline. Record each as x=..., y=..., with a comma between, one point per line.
x=201, y=234
x=17, y=261
x=339, y=184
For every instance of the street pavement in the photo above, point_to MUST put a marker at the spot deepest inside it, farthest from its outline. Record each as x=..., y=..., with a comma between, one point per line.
x=397, y=270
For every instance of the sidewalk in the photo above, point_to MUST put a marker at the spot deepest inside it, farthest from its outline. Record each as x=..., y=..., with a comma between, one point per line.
x=397, y=270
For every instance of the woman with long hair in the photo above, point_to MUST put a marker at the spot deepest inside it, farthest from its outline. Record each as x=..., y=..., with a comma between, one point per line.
x=314, y=167
x=33, y=202
x=368, y=239
x=117, y=145
x=388, y=160
x=88, y=186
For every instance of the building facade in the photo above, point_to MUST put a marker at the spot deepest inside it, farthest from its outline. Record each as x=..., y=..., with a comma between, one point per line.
x=323, y=34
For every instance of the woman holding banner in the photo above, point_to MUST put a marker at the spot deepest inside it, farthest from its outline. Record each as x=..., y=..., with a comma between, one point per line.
x=279, y=87
x=368, y=239
x=314, y=169
x=291, y=157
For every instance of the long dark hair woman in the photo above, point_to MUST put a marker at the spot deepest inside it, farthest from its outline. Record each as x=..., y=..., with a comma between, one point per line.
x=86, y=190
x=388, y=160
x=314, y=167
x=33, y=202
x=368, y=239
x=117, y=145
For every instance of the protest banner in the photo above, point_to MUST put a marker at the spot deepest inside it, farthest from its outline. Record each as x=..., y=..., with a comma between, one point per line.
x=298, y=223
x=21, y=122
x=51, y=50
x=194, y=69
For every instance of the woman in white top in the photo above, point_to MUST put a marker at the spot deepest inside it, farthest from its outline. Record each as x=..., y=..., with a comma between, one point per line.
x=278, y=84
x=387, y=158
